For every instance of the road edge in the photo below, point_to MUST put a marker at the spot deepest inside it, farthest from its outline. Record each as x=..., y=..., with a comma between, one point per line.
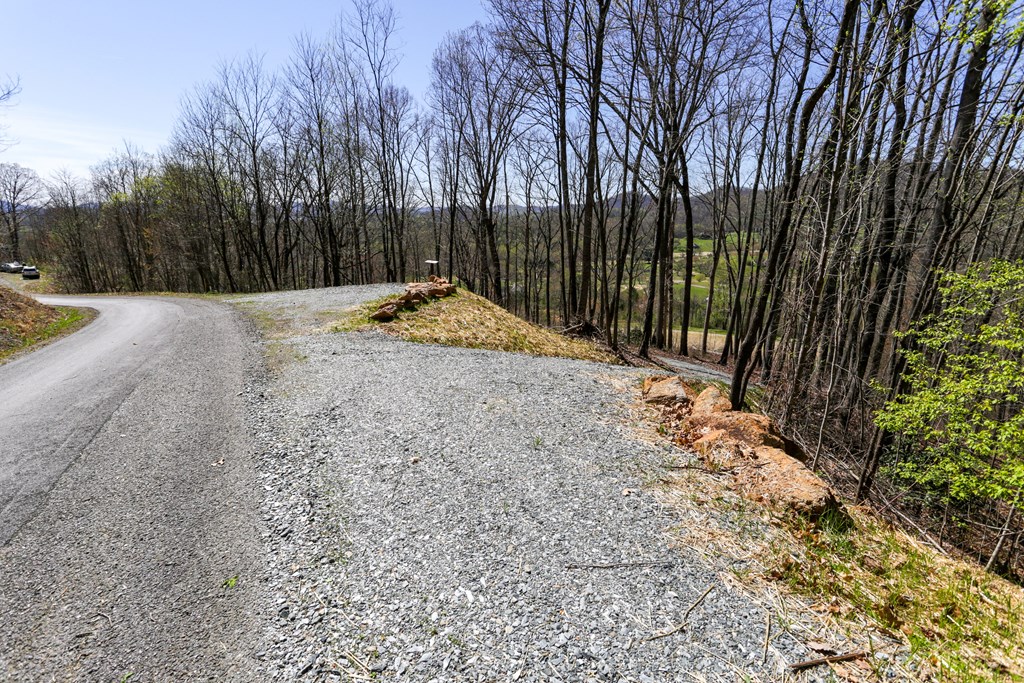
x=88, y=315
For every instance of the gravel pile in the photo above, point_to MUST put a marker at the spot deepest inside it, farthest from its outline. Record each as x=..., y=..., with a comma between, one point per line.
x=441, y=514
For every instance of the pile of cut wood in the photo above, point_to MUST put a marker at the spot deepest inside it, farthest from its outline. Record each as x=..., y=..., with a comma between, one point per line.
x=415, y=293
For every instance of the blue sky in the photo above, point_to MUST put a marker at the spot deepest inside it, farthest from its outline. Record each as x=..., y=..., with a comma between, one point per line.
x=94, y=74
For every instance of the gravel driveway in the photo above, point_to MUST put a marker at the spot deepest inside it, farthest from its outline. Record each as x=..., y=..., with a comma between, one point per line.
x=440, y=514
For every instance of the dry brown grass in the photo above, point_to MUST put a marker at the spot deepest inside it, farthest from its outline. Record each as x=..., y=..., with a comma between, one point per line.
x=24, y=322
x=21, y=318
x=470, y=321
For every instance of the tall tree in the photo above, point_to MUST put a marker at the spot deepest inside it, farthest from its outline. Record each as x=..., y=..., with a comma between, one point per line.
x=479, y=91
x=21, y=192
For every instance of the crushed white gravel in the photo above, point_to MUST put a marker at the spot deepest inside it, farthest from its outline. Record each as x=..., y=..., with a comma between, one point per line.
x=442, y=514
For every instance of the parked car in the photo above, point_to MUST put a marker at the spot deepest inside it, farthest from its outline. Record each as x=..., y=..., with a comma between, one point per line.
x=30, y=273
x=12, y=267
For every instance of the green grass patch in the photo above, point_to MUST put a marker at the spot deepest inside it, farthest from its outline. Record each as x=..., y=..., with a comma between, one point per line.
x=64, y=321
x=70, y=319
x=272, y=325
x=358, y=320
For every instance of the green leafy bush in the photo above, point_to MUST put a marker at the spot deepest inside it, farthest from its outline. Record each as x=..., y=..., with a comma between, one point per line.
x=960, y=418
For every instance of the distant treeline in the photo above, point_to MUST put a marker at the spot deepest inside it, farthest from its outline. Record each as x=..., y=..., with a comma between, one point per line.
x=567, y=162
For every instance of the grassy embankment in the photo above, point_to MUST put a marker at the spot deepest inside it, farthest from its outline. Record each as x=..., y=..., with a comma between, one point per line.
x=855, y=582
x=470, y=321
x=856, y=585
x=25, y=322
x=957, y=622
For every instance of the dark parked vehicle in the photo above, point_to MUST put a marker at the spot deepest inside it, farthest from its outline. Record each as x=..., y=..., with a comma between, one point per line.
x=30, y=273
x=12, y=267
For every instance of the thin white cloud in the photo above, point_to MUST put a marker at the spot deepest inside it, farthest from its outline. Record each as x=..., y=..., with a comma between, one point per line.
x=48, y=141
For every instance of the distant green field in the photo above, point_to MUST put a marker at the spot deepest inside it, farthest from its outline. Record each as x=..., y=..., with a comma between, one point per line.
x=698, y=292
x=707, y=245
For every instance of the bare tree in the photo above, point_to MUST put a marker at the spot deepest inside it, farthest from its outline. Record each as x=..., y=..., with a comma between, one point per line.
x=479, y=93
x=21, y=192
x=8, y=89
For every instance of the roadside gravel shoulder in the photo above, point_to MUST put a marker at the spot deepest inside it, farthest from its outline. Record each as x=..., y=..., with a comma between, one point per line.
x=460, y=515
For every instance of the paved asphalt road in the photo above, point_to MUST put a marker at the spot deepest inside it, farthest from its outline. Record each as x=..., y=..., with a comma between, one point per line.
x=127, y=499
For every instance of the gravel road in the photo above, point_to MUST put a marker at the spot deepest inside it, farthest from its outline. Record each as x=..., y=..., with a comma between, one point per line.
x=369, y=509
x=702, y=371
x=440, y=514
x=128, y=500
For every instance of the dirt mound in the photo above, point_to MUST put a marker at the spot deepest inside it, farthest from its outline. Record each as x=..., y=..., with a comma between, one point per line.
x=467, y=320
x=21, y=320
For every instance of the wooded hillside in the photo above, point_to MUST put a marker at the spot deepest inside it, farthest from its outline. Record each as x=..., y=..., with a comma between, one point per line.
x=789, y=175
